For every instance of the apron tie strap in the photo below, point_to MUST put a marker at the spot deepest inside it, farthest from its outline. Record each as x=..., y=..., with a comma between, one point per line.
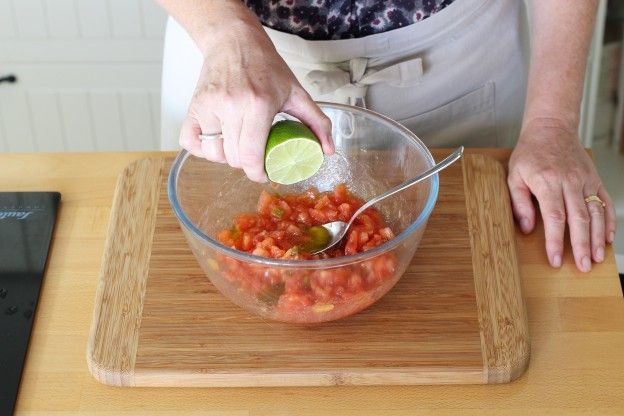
x=351, y=86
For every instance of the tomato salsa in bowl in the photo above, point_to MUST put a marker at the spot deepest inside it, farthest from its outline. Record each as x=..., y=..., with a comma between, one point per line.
x=254, y=241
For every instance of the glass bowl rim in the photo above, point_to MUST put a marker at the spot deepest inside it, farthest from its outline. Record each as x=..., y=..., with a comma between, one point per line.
x=309, y=264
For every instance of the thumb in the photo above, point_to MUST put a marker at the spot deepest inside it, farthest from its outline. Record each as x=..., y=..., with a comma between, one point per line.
x=301, y=105
x=521, y=202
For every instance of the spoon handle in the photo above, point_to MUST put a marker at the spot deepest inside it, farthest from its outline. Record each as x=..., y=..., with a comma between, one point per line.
x=450, y=159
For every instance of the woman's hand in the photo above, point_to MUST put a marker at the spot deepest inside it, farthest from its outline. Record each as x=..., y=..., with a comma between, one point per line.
x=550, y=163
x=243, y=84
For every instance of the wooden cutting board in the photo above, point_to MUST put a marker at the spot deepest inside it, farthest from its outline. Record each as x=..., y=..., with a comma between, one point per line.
x=456, y=316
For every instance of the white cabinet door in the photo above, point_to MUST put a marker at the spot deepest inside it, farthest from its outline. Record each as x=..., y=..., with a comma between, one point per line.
x=88, y=74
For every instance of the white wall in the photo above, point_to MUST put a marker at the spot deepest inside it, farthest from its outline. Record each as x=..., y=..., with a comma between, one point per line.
x=88, y=74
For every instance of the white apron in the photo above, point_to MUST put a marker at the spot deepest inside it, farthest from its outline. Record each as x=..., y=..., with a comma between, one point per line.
x=457, y=77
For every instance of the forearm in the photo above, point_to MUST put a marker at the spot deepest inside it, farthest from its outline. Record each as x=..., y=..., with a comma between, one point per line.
x=561, y=34
x=211, y=22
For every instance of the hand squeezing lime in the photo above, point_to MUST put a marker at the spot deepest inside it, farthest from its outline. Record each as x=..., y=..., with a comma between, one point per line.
x=292, y=154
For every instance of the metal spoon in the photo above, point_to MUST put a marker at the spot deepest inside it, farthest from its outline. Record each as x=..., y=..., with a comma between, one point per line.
x=338, y=229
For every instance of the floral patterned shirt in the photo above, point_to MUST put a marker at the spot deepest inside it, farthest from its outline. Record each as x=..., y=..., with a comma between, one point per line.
x=342, y=19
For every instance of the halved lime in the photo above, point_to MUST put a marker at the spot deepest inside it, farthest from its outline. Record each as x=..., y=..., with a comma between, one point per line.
x=292, y=154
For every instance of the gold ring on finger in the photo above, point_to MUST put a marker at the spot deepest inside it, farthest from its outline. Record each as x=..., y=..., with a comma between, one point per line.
x=594, y=198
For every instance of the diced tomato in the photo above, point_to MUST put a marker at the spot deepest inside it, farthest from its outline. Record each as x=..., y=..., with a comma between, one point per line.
x=312, y=194
x=294, y=231
x=276, y=252
x=318, y=216
x=245, y=221
x=279, y=230
x=286, y=209
x=260, y=236
x=267, y=243
x=340, y=277
x=294, y=286
x=321, y=291
x=225, y=237
x=289, y=303
x=352, y=243
x=345, y=212
x=383, y=267
x=264, y=203
x=374, y=215
x=367, y=222
x=386, y=233
x=355, y=282
x=362, y=239
x=284, y=224
x=278, y=234
x=340, y=194
x=324, y=202
x=356, y=203
x=259, y=251
x=303, y=217
x=331, y=214
x=377, y=239
x=247, y=243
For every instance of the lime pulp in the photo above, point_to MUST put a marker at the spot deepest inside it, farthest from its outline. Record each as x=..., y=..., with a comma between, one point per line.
x=292, y=154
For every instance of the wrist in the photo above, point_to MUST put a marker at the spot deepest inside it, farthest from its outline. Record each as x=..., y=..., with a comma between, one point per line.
x=547, y=128
x=235, y=23
x=547, y=111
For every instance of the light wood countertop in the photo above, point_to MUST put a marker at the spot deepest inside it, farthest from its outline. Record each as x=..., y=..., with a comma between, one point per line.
x=576, y=324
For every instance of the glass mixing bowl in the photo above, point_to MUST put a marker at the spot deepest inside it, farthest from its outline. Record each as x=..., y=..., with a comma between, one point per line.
x=373, y=154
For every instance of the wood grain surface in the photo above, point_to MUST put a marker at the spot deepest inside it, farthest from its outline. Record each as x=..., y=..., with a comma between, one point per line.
x=575, y=322
x=456, y=316
x=502, y=316
x=112, y=348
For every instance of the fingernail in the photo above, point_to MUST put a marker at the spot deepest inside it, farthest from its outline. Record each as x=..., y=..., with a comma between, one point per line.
x=585, y=264
x=524, y=225
x=556, y=261
x=600, y=254
x=611, y=237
